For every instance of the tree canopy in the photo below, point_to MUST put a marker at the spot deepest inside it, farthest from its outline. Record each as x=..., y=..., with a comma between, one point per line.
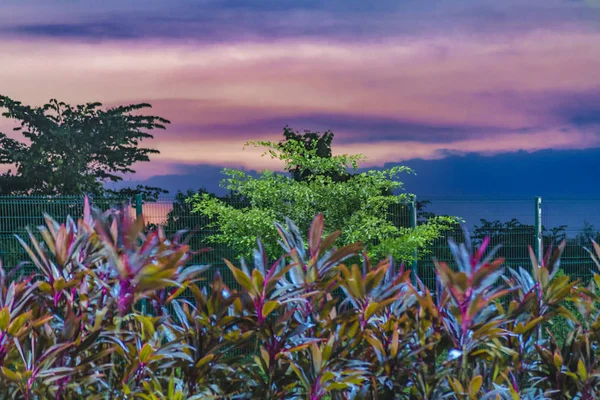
x=357, y=203
x=74, y=150
x=319, y=143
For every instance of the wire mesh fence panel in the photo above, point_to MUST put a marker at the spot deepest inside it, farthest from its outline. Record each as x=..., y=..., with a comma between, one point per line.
x=19, y=213
x=578, y=222
x=175, y=215
x=399, y=214
x=507, y=222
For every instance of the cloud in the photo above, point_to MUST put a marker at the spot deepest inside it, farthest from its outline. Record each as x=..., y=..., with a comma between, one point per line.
x=183, y=178
x=391, y=100
x=405, y=81
x=424, y=95
x=580, y=109
x=355, y=128
x=339, y=20
x=98, y=30
x=551, y=173
x=228, y=152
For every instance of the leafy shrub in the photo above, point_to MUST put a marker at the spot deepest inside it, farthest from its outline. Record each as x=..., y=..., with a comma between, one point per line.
x=365, y=206
x=307, y=326
x=560, y=326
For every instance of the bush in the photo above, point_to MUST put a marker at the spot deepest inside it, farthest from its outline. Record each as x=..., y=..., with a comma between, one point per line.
x=365, y=206
x=75, y=329
x=560, y=327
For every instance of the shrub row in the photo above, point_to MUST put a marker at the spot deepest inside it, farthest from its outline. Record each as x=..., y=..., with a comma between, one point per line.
x=307, y=326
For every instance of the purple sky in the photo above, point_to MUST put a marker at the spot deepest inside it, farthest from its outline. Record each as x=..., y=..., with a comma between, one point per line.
x=494, y=83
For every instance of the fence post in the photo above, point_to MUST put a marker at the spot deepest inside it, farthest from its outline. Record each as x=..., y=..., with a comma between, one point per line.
x=413, y=225
x=138, y=213
x=538, y=228
x=138, y=205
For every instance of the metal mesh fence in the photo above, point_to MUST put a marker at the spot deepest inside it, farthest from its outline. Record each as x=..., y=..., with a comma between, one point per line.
x=176, y=215
x=19, y=213
x=578, y=221
x=508, y=221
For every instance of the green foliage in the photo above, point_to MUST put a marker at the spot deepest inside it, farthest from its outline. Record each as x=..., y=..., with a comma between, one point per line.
x=74, y=150
x=359, y=206
x=560, y=327
x=311, y=141
x=307, y=326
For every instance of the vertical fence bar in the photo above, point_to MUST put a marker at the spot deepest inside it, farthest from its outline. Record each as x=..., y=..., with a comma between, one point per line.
x=538, y=227
x=413, y=225
x=138, y=205
x=138, y=213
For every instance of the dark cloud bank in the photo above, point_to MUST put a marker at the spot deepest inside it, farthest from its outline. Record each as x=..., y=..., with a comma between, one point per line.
x=475, y=187
x=552, y=173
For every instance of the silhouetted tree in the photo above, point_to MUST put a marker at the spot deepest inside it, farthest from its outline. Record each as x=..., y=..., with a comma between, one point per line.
x=587, y=234
x=75, y=150
x=321, y=142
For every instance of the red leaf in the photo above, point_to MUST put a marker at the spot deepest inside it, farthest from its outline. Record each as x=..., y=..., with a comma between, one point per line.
x=316, y=233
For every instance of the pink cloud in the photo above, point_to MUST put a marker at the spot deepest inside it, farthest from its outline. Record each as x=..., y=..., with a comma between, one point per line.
x=430, y=80
x=230, y=153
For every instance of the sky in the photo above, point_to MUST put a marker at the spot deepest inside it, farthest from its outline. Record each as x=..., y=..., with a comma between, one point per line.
x=480, y=97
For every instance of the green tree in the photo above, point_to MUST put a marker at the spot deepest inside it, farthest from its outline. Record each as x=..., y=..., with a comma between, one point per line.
x=311, y=141
x=358, y=203
x=75, y=150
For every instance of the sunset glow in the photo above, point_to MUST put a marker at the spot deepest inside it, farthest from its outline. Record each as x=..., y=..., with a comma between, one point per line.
x=452, y=86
